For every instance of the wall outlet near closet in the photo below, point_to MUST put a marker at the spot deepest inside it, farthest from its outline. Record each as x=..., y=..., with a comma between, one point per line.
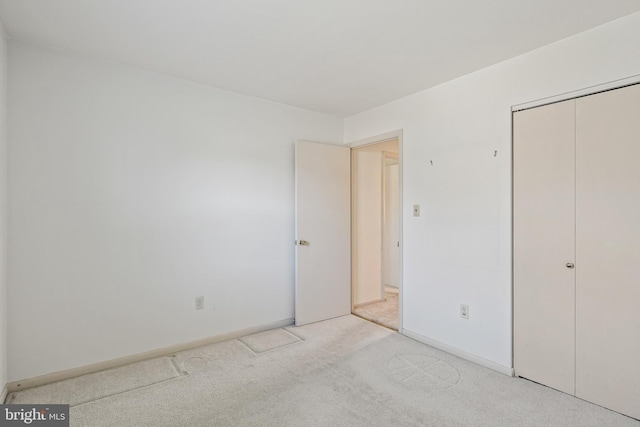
x=464, y=311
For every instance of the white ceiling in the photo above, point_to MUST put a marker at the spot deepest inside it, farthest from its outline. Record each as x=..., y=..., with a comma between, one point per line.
x=339, y=57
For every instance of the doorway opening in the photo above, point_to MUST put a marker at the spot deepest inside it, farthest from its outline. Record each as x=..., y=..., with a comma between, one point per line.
x=375, y=221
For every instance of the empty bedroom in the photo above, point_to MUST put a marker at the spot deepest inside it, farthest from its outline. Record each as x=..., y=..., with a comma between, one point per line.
x=312, y=213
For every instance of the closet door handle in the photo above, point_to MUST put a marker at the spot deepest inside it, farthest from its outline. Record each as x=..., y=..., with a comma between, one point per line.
x=570, y=265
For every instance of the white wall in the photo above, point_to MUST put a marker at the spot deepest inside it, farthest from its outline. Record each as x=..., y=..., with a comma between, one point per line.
x=131, y=193
x=367, y=225
x=391, y=251
x=366, y=164
x=459, y=250
x=3, y=210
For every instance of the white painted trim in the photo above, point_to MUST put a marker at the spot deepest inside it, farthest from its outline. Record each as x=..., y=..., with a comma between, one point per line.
x=383, y=173
x=615, y=84
x=160, y=352
x=362, y=304
x=3, y=395
x=396, y=134
x=507, y=370
x=400, y=235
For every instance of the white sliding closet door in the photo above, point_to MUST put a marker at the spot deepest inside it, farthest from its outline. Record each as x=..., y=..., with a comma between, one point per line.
x=544, y=237
x=608, y=250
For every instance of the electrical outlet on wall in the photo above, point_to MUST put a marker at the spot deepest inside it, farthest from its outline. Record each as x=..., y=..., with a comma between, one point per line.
x=199, y=303
x=464, y=311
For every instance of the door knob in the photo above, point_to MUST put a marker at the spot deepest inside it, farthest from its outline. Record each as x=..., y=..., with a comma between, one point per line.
x=303, y=243
x=570, y=265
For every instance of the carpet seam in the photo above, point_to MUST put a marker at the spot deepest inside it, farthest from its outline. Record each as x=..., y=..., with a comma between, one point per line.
x=126, y=391
x=291, y=333
x=256, y=352
x=374, y=323
x=177, y=367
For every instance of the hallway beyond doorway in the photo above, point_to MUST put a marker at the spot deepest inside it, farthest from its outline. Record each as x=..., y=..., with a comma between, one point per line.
x=384, y=313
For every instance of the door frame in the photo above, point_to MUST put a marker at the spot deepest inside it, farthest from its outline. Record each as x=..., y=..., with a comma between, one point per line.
x=385, y=137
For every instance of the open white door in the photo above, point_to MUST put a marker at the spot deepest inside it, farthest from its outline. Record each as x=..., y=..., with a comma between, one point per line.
x=323, y=232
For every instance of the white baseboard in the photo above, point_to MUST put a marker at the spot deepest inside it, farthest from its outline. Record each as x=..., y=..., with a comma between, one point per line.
x=126, y=360
x=391, y=290
x=362, y=304
x=507, y=370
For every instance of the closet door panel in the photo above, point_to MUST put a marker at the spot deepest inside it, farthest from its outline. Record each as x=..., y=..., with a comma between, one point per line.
x=608, y=249
x=544, y=236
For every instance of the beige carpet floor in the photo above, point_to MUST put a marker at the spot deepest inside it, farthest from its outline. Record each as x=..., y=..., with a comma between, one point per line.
x=383, y=313
x=341, y=372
